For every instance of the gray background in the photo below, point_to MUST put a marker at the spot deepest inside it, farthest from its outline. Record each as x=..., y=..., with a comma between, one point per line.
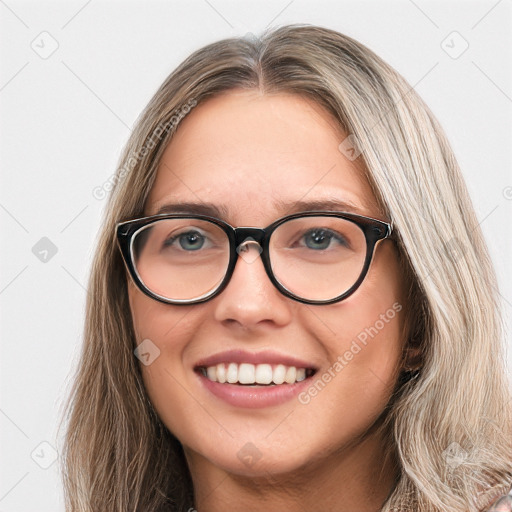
x=74, y=77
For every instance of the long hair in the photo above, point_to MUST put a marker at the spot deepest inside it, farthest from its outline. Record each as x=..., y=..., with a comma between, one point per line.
x=450, y=422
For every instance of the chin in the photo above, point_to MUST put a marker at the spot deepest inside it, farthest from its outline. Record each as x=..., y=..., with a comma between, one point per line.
x=257, y=458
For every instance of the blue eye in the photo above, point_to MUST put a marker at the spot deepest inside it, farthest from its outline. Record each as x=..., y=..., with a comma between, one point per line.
x=320, y=239
x=189, y=241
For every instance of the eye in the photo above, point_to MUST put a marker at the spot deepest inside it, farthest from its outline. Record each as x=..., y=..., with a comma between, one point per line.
x=189, y=240
x=321, y=238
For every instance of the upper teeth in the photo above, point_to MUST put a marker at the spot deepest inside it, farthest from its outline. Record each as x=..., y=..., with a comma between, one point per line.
x=246, y=373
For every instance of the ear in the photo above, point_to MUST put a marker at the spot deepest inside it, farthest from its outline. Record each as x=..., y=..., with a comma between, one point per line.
x=413, y=336
x=413, y=358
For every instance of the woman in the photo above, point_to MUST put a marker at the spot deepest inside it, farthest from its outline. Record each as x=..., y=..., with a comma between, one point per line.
x=346, y=357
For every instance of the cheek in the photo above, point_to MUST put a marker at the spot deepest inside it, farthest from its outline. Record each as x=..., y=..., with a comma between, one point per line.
x=373, y=350
x=372, y=335
x=363, y=337
x=158, y=322
x=351, y=393
x=161, y=334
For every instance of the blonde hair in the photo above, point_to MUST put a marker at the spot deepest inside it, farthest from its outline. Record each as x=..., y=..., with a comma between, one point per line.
x=450, y=423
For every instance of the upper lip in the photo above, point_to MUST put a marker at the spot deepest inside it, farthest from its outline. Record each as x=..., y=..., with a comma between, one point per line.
x=243, y=356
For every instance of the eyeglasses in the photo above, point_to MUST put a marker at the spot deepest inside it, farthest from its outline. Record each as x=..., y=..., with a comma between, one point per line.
x=317, y=257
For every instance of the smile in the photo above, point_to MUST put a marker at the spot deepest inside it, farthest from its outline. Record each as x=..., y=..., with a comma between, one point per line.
x=253, y=380
x=249, y=374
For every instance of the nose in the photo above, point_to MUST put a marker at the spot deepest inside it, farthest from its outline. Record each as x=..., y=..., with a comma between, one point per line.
x=250, y=300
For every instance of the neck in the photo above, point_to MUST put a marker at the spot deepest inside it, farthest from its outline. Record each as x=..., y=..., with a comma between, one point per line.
x=360, y=477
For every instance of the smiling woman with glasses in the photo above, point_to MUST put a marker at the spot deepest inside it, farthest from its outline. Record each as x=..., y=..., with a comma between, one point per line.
x=291, y=305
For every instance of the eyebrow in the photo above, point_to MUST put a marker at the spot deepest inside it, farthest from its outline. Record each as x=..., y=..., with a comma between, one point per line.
x=222, y=212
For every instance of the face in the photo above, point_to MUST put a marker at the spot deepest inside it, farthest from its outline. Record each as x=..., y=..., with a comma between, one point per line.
x=254, y=156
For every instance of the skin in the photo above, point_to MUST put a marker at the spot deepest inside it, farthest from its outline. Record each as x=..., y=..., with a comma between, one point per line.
x=243, y=150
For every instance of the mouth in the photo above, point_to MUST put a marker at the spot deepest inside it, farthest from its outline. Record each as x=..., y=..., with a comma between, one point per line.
x=255, y=375
x=248, y=380
x=253, y=380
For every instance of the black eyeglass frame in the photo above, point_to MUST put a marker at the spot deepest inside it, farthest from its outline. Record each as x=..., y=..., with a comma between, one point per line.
x=374, y=231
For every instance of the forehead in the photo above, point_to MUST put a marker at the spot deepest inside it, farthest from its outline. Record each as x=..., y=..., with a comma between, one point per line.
x=254, y=155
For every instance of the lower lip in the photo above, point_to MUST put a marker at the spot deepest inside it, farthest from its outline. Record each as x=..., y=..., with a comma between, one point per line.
x=254, y=397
